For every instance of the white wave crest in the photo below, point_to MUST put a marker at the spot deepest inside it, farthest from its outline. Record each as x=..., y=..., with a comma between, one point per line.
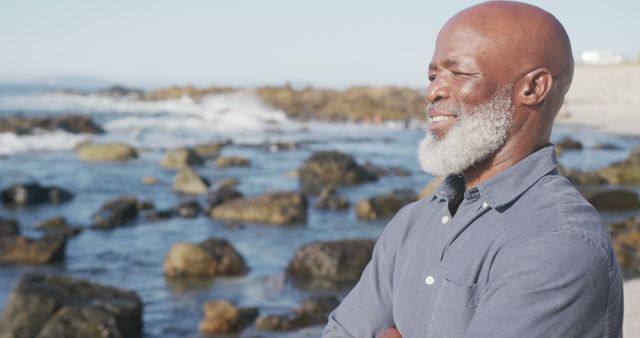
x=53, y=141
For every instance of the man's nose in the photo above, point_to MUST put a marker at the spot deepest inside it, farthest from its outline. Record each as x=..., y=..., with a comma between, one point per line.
x=436, y=91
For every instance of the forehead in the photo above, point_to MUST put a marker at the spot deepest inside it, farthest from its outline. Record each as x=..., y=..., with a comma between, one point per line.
x=462, y=45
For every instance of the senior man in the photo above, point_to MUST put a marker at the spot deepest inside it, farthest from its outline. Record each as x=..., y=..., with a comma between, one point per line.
x=505, y=247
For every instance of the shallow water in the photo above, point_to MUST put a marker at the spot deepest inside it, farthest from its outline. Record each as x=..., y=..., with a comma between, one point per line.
x=131, y=257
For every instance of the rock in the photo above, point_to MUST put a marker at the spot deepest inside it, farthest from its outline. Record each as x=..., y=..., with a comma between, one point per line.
x=213, y=257
x=187, y=91
x=34, y=193
x=330, y=200
x=181, y=158
x=222, y=317
x=389, y=171
x=116, y=213
x=209, y=150
x=383, y=206
x=281, y=146
x=106, y=152
x=582, y=178
x=57, y=226
x=314, y=311
x=326, y=168
x=159, y=215
x=149, y=180
x=121, y=91
x=9, y=227
x=431, y=187
x=23, y=250
x=49, y=306
x=568, y=144
x=146, y=205
x=271, y=207
x=332, y=261
x=76, y=124
x=623, y=172
x=607, y=146
x=228, y=183
x=614, y=200
x=188, y=209
x=232, y=161
x=222, y=195
x=188, y=182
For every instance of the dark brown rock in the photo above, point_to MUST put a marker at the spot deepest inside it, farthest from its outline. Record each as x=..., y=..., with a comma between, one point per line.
x=188, y=209
x=270, y=208
x=34, y=193
x=222, y=317
x=76, y=124
x=331, y=168
x=314, y=311
x=181, y=158
x=568, y=144
x=222, y=195
x=232, y=161
x=116, y=213
x=24, y=250
x=49, y=306
x=332, y=261
x=9, y=227
x=213, y=257
x=57, y=226
x=328, y=199
x=384, y=206
x=582, y=178
x=614, y=200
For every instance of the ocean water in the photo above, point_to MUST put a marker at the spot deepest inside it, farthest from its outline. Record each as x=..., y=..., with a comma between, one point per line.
x=131, y=257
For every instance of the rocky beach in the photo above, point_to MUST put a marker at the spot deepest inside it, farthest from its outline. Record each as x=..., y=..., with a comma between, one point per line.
x=217, y=211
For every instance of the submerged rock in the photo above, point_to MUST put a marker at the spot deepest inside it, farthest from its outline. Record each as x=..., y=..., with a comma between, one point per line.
x=49, y=306
x=188, y=209
x=34, y=193
x=57, y=226
x=331, y=168
x=314, y=311
x=614, y=200
x=232, y=161
x=331, y=261
x=181, y=158
x=568, y=144
x=222, y=317
x=76, y=124
x=188, y=182
x=106, y=152
x=116, y=213
x=582, y=178
x=213, y=257
x=328, y=199
x=222, y=195
x=386, y=205
x=9, y=227
x=271, y=208
x=623, y=172
x=24, y=250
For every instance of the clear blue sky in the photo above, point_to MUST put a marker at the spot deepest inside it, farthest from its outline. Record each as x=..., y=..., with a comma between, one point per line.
x=333, y=43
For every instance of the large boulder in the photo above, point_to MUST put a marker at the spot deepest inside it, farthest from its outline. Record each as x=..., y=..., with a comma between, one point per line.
x=34, y=193
x=270, y=207
x=386, y=205
x=180, y=158
x=76, y=124
x=188, y=182
x=327, y=168
x=213, y=257
x=9, y=227
x=331, y=261
x=116, y=213
x=222, y=317
x=232, y=161
x=314, y=311
x=106, y=152
x=614, y=200
x=24, y=250
x=49, y=306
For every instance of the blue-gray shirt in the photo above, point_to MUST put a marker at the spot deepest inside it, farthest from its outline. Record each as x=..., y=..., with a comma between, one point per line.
x=524, y=256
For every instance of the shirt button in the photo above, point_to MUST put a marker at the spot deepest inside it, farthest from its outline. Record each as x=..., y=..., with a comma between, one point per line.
x=429, y=280
x=445, y=219
x=485, y=205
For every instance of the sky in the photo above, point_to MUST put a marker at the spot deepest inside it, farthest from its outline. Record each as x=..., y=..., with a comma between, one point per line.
x=329, y=43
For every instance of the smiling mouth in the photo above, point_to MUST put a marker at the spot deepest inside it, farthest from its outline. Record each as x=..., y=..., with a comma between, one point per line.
x=442, y=118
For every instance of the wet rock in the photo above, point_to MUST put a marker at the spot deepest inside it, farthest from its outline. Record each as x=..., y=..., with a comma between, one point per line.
x=181, y=158
x=384, y=206
x=209, y=150
x=327, y=168
x=222, y=317
x=623, y=172
x=271, y=208
x=582, y=178
x=34, y=193
x=146, y=205
x=24, y=250
x=614, y=200
x=328, y=199
x=9, y=227
x=188, y=209
x=149, y=180
x=431, y=187
x=228, y=183
x=188, y=182
x=106, y=152
x=607, y=146
x=57, y=226
x=175, y=92
x=121, y=91
x=232, y=161
x=49, y=306
x=568, y=144
x=332, y=261
x=281, y=146
x=222, y=195
x=159, y=215
x=389, y=171
x=213, y=257
x=314, y=311
x=116, y=213
x=76, y=124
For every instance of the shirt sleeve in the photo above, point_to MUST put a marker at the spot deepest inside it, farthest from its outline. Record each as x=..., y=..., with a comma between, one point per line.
x=561, y=284
x=367, y=309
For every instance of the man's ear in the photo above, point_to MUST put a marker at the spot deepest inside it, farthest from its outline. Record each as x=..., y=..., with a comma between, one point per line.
x=535, y=87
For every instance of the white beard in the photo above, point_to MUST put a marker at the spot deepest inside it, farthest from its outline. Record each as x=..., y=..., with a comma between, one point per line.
x=479, y=132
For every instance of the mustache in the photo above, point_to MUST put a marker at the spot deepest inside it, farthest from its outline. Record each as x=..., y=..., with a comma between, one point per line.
x=441, y=106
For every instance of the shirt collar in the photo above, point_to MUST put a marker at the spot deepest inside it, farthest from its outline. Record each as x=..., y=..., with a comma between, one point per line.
x=507, y=185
